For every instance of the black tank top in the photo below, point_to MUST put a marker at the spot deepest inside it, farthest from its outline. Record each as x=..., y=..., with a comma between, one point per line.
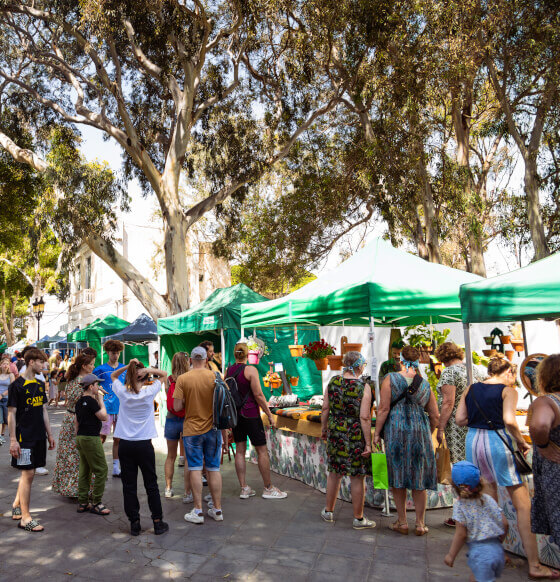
x=489, y=398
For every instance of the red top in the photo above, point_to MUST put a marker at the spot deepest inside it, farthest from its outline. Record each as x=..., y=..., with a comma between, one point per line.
x=170, y=390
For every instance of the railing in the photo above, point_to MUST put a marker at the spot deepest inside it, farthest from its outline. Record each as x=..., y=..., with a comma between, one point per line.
x=82, y=297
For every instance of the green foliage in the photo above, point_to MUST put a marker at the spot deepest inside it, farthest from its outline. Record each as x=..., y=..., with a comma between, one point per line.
x=422, y=335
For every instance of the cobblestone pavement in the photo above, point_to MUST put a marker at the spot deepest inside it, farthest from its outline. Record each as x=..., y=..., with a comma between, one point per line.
x=264, y=540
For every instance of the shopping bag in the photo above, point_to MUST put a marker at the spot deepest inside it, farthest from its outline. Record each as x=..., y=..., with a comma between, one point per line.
x=379, y=470
x=443, y=464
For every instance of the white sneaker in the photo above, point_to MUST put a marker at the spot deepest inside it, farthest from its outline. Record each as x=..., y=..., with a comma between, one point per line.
x=327, y=515
x=168, y=493
x=246, y=492
x=116, y=472
x=181, y=462
x=274, y=493
x=41, y=471
x=216, y=514
x=194, y=517
x=208, y=499
x=363, y=523
x=2, y=439
x=187, y=498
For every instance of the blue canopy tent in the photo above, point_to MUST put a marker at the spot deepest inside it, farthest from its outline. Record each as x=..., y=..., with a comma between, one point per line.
x=136, y=337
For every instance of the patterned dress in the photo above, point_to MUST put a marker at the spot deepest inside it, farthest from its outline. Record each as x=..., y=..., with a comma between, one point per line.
x=545, y=508
x=456, y=375
x=65, y=479
x=411, y=462
x=345, y=441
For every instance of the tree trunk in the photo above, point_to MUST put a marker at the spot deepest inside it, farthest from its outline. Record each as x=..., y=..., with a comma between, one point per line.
x=176, y=261
x=534, y=215
x=146, y=293
x=430, y=220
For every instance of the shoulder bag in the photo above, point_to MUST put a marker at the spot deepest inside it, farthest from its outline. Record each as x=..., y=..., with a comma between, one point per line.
x=521, y=464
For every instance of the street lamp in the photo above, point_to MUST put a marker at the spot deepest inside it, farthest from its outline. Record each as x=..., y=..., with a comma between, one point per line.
x=38, y=310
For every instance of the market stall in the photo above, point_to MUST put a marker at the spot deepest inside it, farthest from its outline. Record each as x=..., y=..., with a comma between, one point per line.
x=136, y=339
x=526, y=294
x=92, y=334
x=378, y=286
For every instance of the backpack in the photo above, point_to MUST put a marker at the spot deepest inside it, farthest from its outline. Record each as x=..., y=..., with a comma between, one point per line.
x=225, y=411
x=231, y=382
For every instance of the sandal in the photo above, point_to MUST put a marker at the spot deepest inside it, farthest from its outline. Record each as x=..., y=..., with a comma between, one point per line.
x=421, y=530
x=83, y=507
x=401, y=528
x=16, y=513
x=100, y=509
x=30, y=526
x=554, y=574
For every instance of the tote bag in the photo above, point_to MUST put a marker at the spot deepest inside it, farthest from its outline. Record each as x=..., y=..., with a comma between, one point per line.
x=379, y=470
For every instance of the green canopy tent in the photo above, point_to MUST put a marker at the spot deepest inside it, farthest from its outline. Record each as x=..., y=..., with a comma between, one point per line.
x=532, y=292
x=3, y=347
x=218, y=319
x=93, y=334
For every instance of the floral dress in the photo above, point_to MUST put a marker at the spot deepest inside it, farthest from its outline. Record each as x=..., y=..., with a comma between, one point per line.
x=345, y=440
x=65, y=480
x=456, y=375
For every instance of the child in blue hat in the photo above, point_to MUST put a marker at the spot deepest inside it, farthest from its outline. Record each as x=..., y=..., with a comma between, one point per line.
x=479, y=522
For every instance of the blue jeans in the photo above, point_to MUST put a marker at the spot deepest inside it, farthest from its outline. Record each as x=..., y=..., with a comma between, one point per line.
x=486, y=559
x=4, y=410
x=173, y=428
x=204, y=449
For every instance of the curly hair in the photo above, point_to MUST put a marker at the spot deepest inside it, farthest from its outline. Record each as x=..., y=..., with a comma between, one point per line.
x=449, y=351
x=34, y=354
x=410, y=353
x=548, y=374
x=113, y=346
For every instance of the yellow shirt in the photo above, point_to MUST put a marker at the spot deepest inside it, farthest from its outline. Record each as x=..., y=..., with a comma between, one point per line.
x=196, y=387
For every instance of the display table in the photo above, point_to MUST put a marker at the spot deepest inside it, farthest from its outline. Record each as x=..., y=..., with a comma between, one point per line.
x=297, y=451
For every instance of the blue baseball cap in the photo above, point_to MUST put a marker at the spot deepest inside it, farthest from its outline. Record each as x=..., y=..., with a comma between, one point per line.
x=465, y=473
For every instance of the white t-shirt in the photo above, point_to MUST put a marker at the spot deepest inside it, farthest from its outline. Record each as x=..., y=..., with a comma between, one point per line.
x=482, y=520
x=136, y=421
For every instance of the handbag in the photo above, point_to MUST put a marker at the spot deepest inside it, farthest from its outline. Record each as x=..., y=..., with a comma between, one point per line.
x=521, y=463
x=443, y=464
x=379, y=470
x=412, y=389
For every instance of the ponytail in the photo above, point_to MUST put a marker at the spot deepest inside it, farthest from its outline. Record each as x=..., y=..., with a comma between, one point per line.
x=75, y=368
x=131, y=378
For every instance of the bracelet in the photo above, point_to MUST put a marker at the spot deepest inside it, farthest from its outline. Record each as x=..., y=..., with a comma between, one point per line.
x=545, y=445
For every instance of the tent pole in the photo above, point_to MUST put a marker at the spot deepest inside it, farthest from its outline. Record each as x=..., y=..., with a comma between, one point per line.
x=223, y=352
x=468, y=352
x=524, y=332
x=373, y=373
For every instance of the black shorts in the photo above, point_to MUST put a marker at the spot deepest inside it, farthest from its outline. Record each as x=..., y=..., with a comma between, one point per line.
x=37, y=455
x=252, y=428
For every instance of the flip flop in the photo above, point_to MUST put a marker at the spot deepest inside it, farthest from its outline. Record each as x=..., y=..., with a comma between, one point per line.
x=16, y=513
x=30, y=526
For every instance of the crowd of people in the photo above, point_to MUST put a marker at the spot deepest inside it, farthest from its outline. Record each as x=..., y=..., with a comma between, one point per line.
x=120, y=398
x=478, y=423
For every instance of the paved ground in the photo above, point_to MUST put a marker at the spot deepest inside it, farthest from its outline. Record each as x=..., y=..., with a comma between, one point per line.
x=258, y=540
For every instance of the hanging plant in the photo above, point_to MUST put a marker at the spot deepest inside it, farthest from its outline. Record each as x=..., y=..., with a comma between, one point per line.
x=318, y=350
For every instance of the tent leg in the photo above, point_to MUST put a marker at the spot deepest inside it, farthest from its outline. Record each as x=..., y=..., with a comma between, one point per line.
x=468, y=352
x=373, y=373
x=524, y=332
x=223, y=352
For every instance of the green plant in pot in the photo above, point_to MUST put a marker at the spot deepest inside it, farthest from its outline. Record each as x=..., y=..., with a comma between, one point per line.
x=425, y=338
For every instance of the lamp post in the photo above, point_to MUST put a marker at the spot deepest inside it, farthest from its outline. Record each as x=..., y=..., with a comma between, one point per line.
x=38, y=310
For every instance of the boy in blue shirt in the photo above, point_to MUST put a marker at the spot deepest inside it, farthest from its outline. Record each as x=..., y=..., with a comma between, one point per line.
x=113, y=348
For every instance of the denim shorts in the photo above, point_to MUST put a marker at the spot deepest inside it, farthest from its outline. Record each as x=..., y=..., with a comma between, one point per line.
x=173, y=428
x=486, y=559
x=4, y=410
x=204, y=449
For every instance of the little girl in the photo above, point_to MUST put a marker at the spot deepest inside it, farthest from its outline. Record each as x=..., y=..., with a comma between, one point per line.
x=479, y=522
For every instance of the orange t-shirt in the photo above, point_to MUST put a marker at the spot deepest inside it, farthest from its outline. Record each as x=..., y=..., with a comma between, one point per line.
x=196, y=387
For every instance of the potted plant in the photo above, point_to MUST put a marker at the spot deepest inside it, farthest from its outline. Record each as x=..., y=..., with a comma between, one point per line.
x=257, y=348
x=516, y=340
x=335, y=362
x=296, y=351
x=293, y=380
x=425, y=339
x=318, y=352
x=349, y=347
x=488, y=339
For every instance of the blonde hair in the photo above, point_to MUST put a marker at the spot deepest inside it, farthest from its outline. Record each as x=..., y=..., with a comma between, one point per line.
x=466, y=492
x=240, y=351
x=179, y=364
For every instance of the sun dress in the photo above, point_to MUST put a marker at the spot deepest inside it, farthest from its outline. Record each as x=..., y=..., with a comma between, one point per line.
x=411, y=463
x=456, y=375
x=545, y=505
x=65, y=479
x=345, y=439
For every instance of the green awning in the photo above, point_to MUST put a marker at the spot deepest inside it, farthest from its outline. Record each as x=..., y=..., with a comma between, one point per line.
x=531, y=292
x=93, y=334
x=221, y=310
x=393, y=286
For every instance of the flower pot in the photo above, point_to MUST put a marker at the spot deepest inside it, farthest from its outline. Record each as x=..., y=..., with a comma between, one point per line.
x=490, y=353
x=509, y=355
x=517, y=345
x=351, y=348
x=266, y=383
x=294, y=380
x=438, y=369
x=505, y=339
x=275, y=384
x=488, y=339
x=321, y=363
x=296, y=351
x=254, y=358
x=335, y=362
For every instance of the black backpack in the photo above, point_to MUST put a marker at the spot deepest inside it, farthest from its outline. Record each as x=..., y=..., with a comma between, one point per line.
x=225, y=410
x=234, y=389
